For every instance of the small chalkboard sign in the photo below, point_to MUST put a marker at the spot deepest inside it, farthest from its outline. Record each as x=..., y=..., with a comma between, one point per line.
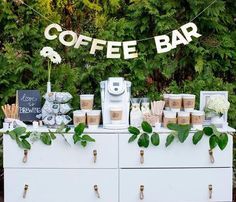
x=29, y=104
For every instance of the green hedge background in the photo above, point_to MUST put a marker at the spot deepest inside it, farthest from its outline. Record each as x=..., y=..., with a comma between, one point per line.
x=207, y=63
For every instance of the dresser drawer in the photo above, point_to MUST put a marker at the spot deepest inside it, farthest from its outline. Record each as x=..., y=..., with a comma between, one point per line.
x=175, y=155
x=68, y=185
x=101, y=154
x=176, y=185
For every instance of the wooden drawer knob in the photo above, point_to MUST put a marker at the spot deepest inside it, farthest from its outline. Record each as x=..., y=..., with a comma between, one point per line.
x=212, y=159
x=95, y=156
x=96, y=191
x=210, y=191
x=25, y=190
x=142, y=156
x=25, y=158
x=141, y=193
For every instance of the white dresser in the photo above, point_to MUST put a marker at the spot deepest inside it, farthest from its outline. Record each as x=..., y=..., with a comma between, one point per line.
x=113, y=170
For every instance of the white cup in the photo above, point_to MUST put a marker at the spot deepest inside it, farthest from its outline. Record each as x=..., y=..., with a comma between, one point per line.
x=86, y=102
x=93, y=118
x=116, y=115
x=183, y=118
x=175, y=102
x=197, y=119
x=169, y=117
x=188, y=102
x=79, y=116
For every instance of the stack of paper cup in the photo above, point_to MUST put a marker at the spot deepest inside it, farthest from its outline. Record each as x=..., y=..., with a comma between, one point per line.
x=175, y=102
x=169, y=117
x=188, y=102
x=79, y=116
x=93, y=118
x=86, y=102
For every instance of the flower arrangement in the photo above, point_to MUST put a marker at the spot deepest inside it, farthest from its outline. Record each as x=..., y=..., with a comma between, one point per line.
x=53, y=57
x=217, y=104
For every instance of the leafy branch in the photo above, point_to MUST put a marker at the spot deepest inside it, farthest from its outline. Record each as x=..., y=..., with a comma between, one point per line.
x=144, y=136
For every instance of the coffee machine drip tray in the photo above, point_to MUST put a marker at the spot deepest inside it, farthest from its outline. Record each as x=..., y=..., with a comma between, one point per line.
x=115, y=126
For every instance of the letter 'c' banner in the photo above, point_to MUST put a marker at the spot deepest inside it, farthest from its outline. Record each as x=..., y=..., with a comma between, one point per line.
x=164, y=43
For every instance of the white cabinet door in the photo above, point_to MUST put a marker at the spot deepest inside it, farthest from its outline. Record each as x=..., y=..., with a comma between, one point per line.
x=101, y=154
x=176, y=185
x=176, y=155
x=69, y=185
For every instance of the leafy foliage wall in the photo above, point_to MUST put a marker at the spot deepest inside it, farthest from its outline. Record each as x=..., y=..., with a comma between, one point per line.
x=208, y=63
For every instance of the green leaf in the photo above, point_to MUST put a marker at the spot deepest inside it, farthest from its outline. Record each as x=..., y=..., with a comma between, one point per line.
x=25, y=144
x=19, y=142
x=213, y=141
x=88, y=138
x=146, y=127
x=134, y=130
x=143, y=140
x=27, y=135
x=76, y=138
x=52, y=135
x=170, y=138
x=83, y=143
x=80, y=128
x=45, y=138
x=155, y=139
x=12, y=135
x=67, y=129
x=182, y=135
x=208, y=131
x=197, y=137
x=132, y=138
x=19, y=130
x=223, y=140
x=173, y=126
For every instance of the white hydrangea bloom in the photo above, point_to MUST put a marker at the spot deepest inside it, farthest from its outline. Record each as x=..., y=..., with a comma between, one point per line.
x=218, y=103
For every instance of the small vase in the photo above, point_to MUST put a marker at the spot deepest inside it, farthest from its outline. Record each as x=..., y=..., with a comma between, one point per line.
x=217, y=119
x=48, y=87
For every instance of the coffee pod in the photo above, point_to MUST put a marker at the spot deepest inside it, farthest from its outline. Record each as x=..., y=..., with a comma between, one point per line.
x=79, y=116
x=62, y=97
x=49, y=120
x=166, y=99
x=86, y=102
x=47, y=107
x=116, y=115
x=65, y=108
x=197, y=119
x=55, y=108
x=169, y=117
x=93, y=118
x=59, y=120
x=50, y=96
x=175, y=102
x=183, y=118
x=66, y=119
x=188, y=102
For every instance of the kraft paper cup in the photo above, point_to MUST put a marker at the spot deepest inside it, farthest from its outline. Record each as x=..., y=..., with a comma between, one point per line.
x=86, y=102
x=197, y=119
x=166, y=99
x=116, y=115
x=188, y=102
x=175, y=102
x=169, y=117
x=79, y=116
x=93, y=118
x=183, y=118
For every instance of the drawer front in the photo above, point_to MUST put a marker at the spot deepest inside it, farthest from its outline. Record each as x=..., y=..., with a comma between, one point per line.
x=176, y=185
x=49, y=185
x=175, y=155
x=101, y=154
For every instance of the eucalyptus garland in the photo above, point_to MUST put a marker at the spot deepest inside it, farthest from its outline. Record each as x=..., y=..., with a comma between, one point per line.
x=181, y=132
x=24, y=138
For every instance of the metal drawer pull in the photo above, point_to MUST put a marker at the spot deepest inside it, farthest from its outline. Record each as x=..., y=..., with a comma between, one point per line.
x=25, y=190
x=96, y=190
x=95, y=156
x=25, y=158
x=141, y=194
x=210, y=191
x=141, y=156
x=212, y=159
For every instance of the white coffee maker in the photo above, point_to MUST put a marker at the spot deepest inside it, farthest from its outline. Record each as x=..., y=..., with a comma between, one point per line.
x=115, y=100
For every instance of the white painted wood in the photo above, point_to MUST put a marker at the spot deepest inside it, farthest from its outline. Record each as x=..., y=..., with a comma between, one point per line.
x=176, y=185
x=61, y=185
x=62, y=155
x=176, y=155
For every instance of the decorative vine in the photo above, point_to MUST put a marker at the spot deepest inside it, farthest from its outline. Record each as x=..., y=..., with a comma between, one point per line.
x=181, y=132
x=24, y=138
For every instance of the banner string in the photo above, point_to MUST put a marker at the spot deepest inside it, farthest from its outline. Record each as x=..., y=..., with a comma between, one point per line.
x=145, y=39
